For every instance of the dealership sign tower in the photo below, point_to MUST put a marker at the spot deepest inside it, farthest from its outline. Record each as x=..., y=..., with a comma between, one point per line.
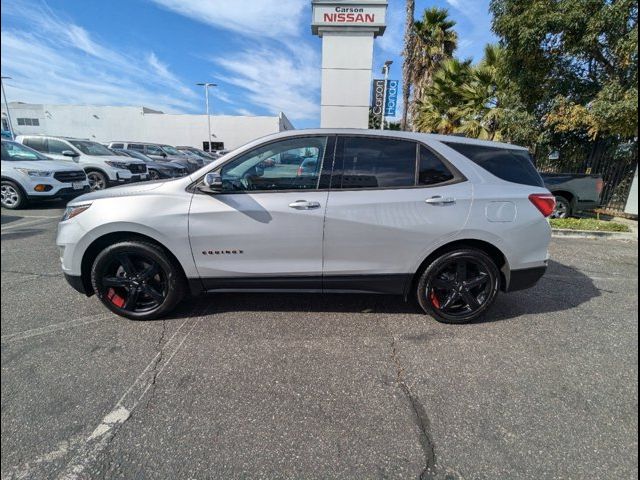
x=347, y=29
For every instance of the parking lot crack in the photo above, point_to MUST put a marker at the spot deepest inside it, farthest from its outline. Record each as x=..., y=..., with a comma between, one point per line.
x=158, y=361
x=420, y=416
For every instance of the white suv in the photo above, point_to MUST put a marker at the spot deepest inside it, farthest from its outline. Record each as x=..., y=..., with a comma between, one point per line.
x=448, y=220
x=29, y=175
x=103, y=167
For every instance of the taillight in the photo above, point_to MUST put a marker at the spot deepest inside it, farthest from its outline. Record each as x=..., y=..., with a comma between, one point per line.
x=599, y=186
x=545, y=202
x=300, y=171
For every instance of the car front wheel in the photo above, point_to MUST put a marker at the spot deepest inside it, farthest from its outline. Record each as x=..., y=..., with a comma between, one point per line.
x=137, y=280
x=459, y=286
x=12, y=195
x=97, y=180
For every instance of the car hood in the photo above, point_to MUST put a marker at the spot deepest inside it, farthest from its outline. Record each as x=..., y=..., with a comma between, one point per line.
x=168, y=165
x=41, y=165
x=122, y=191
x=113, y=158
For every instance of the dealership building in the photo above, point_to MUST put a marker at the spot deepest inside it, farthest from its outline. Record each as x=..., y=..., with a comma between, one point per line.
x=142, y=124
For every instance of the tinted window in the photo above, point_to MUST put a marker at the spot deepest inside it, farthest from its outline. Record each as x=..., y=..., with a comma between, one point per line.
x=117, y=145
x=56, y=146
x=432, y=170
x=36, y=143
x=153, y=150
x=367, y=162
x=136, y=146
x=508, y=164
x=270, y=167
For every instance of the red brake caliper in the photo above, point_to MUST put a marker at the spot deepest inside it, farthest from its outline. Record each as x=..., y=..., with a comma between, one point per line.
x=434, y=299
x=116, y=299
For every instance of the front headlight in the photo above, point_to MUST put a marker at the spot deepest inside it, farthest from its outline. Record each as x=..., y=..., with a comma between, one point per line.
x=113, y=164
x=35, y=173
x=74, y=211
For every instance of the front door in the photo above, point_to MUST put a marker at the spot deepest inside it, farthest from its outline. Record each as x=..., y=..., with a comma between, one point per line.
x=391, y=202
x=264, y=228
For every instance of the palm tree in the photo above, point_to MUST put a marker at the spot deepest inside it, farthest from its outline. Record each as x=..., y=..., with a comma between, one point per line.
x=407, y=63
x=433, y=42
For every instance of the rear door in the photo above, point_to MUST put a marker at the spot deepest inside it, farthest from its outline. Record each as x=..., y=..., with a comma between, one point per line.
x=391, y=202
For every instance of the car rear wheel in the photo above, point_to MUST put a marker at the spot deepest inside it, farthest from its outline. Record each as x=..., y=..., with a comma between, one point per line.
x=563, y=208
x=459, y=286
x=154, y=175
x=97, y=180
x=12, y=195
x=137, y=280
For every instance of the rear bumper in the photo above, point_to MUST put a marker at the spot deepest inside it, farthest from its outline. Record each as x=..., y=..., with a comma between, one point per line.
x=525, y=278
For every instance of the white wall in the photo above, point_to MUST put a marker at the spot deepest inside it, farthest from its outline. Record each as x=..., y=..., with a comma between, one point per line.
x=104, y=124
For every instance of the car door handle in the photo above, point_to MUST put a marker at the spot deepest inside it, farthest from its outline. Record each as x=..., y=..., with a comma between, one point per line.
x=304, y=205
x=438, y=200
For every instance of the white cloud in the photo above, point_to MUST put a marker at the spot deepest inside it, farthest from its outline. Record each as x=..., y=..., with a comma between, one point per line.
x=56, y=61
x=277, y=79
x=262, y=18
x=393, y=39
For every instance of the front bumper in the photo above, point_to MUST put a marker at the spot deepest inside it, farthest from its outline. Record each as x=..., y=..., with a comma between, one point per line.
x=58, y=192
x=125, y=176
x=525, y=278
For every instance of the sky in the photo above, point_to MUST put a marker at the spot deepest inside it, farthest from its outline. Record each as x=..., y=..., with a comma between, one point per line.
x=261, y=53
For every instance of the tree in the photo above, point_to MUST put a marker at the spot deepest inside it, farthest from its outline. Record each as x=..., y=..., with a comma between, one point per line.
x=407, y=62
x=432, y=42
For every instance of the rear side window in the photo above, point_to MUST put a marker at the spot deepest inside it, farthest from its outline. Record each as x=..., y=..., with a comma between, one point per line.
x=508, y=164
x=117, y=145
x=432, y=170
x=375, y=163
x=136, y=146
x=36, y=143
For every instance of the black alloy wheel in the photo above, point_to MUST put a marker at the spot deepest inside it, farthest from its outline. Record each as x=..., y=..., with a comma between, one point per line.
x=137, y=280
x=459, y=286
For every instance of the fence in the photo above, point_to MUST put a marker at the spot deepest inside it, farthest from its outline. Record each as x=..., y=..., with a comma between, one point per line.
x=616, y=162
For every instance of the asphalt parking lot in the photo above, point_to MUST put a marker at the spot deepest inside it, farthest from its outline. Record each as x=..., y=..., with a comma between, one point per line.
x=304, y=386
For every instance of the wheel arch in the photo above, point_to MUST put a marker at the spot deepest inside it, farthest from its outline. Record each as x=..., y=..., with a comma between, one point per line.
x=494, y=253
x=100, y=243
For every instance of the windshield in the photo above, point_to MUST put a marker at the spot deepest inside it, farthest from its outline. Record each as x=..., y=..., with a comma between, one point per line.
x=91, y=148
x=172, y=151
x=16, y=152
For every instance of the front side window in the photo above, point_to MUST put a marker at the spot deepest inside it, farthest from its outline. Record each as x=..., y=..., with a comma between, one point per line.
x=153, y=150
x=368, y=162
x=56, y=146
x=117, y=145
x=15, y=152
x=431, y=170
x=169, y=150
x=91, y=148
x=291, y=164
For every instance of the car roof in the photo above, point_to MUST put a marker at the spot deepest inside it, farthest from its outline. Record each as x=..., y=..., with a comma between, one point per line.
x=417, y=136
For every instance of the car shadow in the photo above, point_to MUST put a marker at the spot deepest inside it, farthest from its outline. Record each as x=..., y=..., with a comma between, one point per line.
x=562, y=288
x=20, y=233
x=4, y=219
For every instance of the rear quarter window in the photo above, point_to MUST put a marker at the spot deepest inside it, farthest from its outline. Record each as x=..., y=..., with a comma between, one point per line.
x=507, y=164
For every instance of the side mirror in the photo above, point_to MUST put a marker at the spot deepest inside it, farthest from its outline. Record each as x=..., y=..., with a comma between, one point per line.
x=70, y=153
x=212, y=183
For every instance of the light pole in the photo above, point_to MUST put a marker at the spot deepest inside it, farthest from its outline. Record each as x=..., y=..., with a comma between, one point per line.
x=385, y=70
x=6, y=104
x=206, y=86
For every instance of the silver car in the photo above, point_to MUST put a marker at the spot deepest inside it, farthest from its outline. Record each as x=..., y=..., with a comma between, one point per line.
x=447, y=220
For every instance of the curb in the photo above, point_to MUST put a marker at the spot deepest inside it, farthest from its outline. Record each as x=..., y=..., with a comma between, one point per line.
x=556, y=232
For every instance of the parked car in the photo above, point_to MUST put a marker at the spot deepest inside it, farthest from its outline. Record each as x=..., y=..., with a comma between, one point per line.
x=206, y=157
x=102, y=166
x=573, y=192
x=157, y=169
x=28, y=175
x=449, y=220
x=157, y=151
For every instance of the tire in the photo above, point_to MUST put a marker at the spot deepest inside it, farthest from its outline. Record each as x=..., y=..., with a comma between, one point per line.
x=443, y=281
x=13, y=197
x=563, y=208
x=97, y=180
x=154, y=175
x=146, y=286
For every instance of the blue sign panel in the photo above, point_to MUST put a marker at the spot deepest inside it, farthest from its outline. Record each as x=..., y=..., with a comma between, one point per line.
x=391, y=100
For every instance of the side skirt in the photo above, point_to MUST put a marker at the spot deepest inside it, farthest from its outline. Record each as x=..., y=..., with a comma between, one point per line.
x=392, y=284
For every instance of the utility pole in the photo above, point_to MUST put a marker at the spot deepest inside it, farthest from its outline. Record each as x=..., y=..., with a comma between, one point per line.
x=206, y=86
x=385, y=70
x=6, y=104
